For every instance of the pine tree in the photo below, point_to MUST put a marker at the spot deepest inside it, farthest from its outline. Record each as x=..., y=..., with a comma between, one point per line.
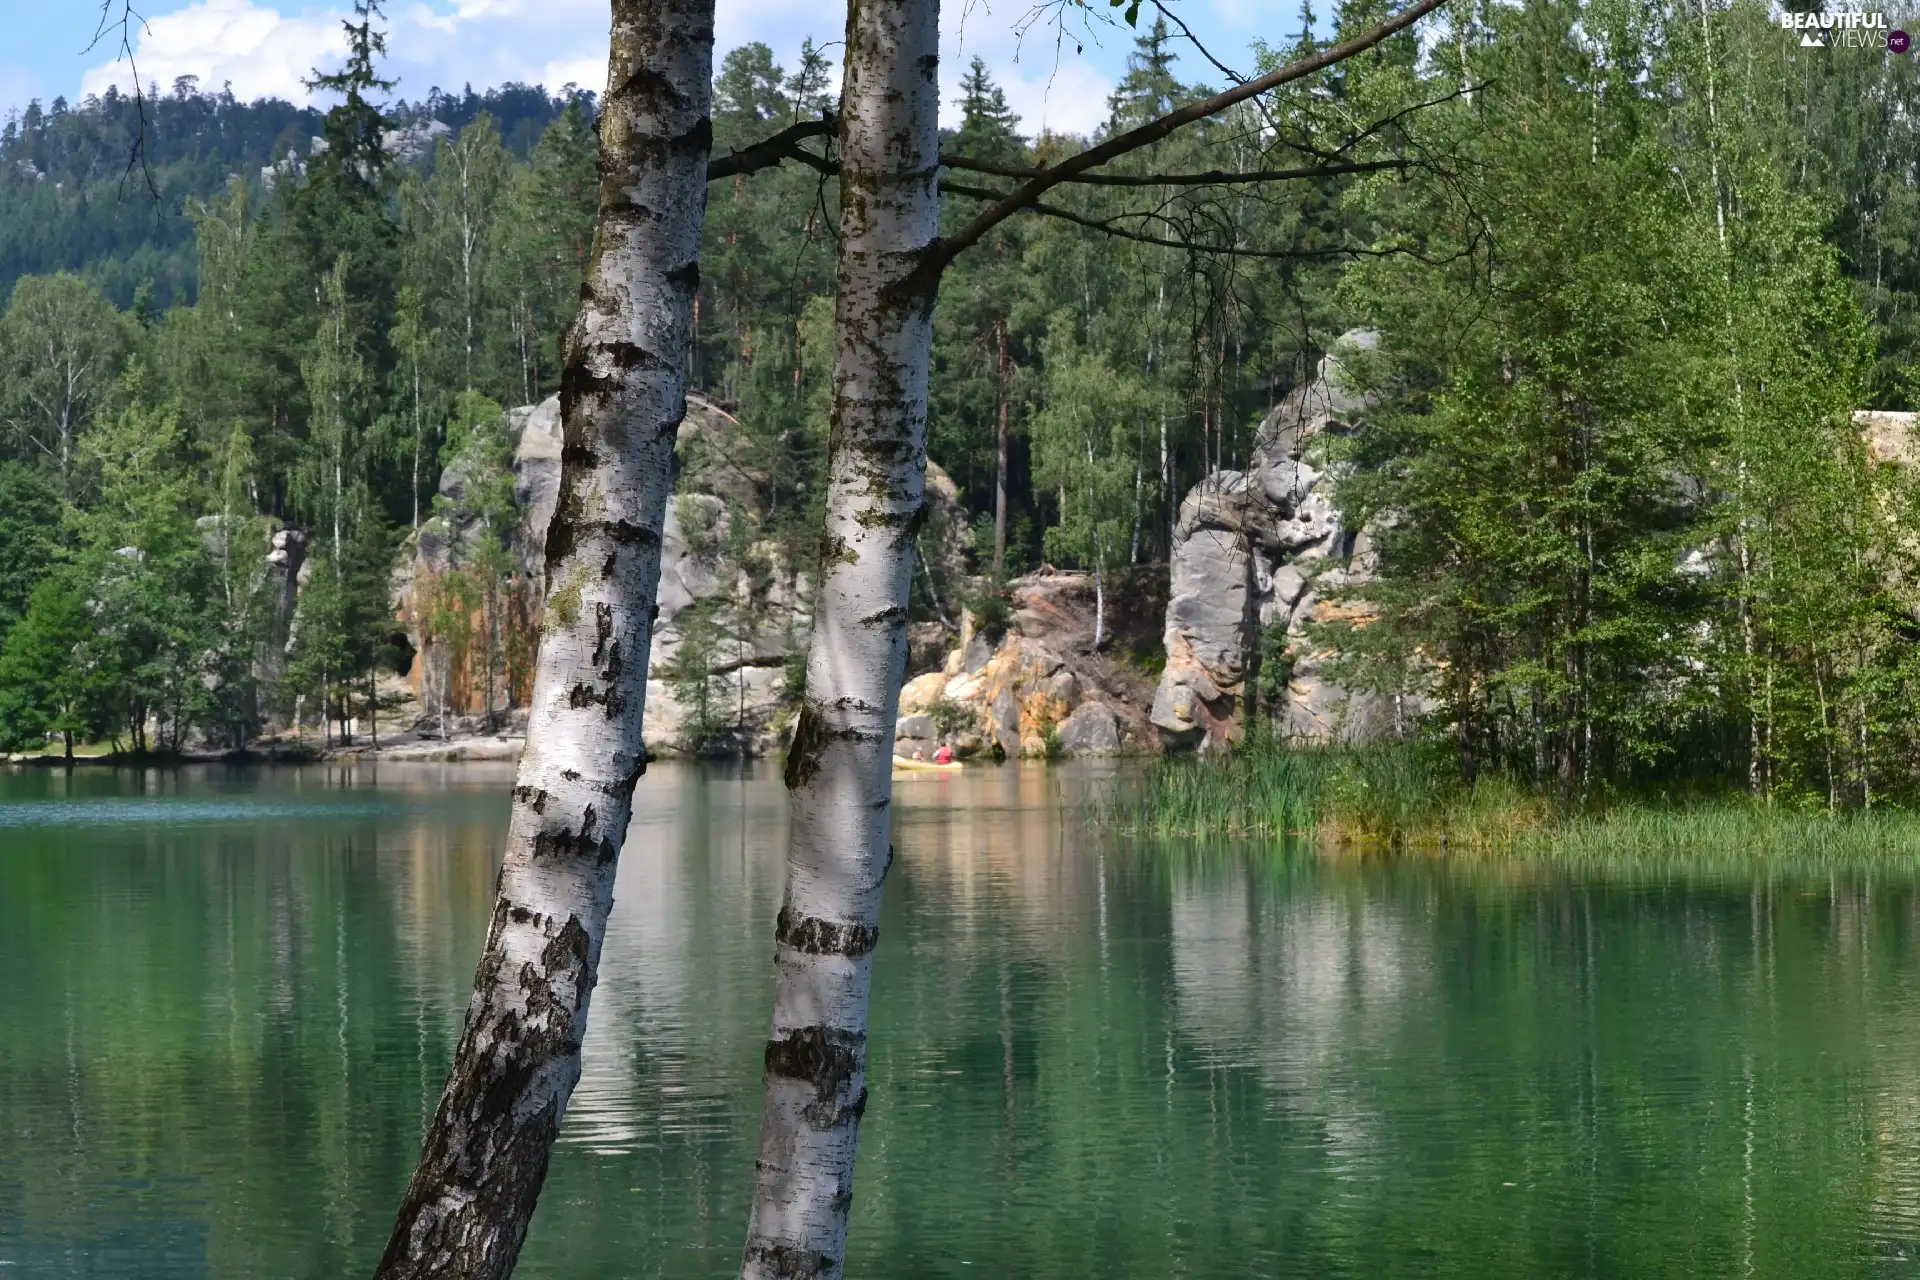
x=355, y=130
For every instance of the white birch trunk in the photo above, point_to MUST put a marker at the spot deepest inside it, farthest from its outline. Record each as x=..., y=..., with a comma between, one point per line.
x=839, y=771
x=622, y=399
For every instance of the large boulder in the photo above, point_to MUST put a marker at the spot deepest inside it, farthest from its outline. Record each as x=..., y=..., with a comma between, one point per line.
x=1254, y=554
x=1092, y=730
x=536, y=482
x=1041, y=685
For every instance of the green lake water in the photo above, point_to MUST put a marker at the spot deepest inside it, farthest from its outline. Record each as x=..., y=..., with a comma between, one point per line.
x=228, y=999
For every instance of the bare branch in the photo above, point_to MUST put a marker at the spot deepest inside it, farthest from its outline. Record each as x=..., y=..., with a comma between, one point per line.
x=944, y=251
x=784, y=145
x=1210, y=178
x=1110, y=227
x=1194, y=40
x=125, y=24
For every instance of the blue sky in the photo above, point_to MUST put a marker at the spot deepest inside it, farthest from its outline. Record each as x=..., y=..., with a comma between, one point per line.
x=265, y=46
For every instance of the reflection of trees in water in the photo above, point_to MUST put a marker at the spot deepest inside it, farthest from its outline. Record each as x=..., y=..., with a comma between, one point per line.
x=240, y=1024
x=1088, y=1059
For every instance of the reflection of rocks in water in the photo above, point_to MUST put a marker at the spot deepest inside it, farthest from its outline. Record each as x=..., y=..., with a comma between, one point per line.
x=993, y=834
x=693, y=908
x=1289, y=988
x=640, y=1001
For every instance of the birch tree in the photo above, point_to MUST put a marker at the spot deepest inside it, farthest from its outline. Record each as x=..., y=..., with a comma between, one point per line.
x=622, y=398
x=839, y=770
x=61, y=345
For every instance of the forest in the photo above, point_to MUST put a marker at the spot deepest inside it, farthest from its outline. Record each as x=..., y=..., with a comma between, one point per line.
x=1633, y=267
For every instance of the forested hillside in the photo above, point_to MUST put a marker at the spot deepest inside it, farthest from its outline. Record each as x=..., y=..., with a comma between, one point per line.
x=105, y=189
x=1633, y=266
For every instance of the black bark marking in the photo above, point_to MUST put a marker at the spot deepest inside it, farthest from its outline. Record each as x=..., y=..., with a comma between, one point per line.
x=602, y=630
x=816, y=937
x=535, y=798
x=561, y=842
x=645, y=85
x=892, y=615
x=686, y=276
x=811, y=737
x=834, y=550
x=785, y=1262
x=829, y=1114
x=628, y=534
x=613, y=702
x=803, y=756
x=828, y=1058
x=563, y=531
x=569, y=949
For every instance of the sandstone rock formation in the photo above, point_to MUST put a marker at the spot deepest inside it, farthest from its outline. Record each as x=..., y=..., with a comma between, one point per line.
x=732, y=622
x=1041, y=690
x=1254, y=554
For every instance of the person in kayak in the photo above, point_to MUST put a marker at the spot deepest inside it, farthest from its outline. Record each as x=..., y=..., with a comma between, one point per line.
x=944, y=755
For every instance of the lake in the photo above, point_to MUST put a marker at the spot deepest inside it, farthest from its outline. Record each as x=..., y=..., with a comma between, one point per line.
x=230, y=997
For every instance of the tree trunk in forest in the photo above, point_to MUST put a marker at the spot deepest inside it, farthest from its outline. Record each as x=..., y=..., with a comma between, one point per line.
x=839, y=771
x=622, y=398
x=1000, y=461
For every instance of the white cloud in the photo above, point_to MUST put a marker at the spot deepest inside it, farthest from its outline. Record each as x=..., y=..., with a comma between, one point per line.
x=264, y=52
x=588, y=73
x=1064, y=96
x=1051, y=75
x=451, y=43
x=260, y=52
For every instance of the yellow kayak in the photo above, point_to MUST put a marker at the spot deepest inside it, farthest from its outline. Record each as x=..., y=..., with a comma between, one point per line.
x=924, y=766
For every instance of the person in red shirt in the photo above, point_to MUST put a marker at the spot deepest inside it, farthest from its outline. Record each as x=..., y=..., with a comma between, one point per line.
x=944, y=755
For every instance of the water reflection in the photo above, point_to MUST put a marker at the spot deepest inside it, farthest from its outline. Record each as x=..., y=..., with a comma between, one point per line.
x=232, y=996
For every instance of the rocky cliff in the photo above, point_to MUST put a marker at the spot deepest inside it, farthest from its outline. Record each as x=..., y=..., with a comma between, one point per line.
x=1255, y=553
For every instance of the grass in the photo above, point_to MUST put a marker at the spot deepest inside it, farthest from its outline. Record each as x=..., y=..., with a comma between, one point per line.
x=1401, y=796
x=1375, y=793
x=1733, y=833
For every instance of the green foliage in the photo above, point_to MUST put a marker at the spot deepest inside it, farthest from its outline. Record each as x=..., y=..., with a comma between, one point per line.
x=49, y=684
x=1631, y=277
x=1089, y=446
x=29, y=536
x=150, y=579
x=1624, y=523
x=61, y=347
x=342, y=624
x=691, y=674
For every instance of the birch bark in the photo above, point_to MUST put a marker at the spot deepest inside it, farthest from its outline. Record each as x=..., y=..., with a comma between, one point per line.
x=839, y=771
x=622, y=397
